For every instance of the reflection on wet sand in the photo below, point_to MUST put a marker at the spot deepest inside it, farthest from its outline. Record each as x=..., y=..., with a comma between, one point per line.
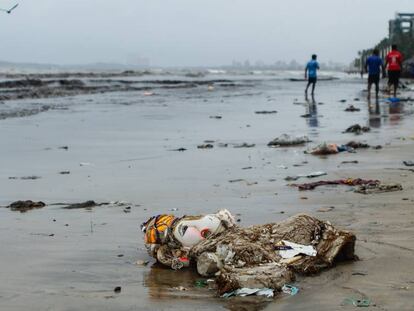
x=164, y=283
x=395, y=111
x=374, y=114
x=312, y=111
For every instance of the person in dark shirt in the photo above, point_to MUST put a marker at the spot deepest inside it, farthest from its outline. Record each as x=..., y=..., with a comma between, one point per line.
x=374, y=65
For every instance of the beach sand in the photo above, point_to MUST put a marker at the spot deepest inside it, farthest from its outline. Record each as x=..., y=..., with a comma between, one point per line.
x=120, y=148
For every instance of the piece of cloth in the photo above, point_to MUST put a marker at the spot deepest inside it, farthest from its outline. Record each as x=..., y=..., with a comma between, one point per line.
x=312, y=68
x=348, y=182
x=290, y=289
x=394, y=60
x=374, y=64
x=296, y=249
x=243, y=292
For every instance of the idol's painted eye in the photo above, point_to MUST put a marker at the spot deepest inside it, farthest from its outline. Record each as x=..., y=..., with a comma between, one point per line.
x=183, y=230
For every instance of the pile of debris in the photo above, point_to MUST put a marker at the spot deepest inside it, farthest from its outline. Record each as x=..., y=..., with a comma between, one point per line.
x=259, y=257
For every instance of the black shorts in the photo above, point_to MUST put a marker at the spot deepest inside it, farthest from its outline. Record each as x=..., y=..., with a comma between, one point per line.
x=312, y=79
x=374, y=79
x=394, y=77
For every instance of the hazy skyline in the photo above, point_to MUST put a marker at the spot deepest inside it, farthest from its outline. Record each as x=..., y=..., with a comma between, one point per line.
x=192, y=32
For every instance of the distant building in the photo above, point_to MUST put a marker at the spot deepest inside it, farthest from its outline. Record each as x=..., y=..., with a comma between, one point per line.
x=402, y=24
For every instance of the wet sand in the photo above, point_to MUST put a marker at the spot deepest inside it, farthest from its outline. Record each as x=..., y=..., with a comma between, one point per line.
x=120, y=149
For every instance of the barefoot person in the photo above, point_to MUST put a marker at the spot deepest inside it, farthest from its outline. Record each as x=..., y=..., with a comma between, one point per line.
x=393, y=61
x=373, y=66
x=311, y=73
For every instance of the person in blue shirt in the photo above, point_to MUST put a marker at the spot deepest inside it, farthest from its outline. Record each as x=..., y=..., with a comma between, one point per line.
x=374, y=65
x=311, y=73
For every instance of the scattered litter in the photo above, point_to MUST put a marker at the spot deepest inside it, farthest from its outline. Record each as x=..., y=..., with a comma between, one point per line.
x=247, y=168
x=310, y=175
x=290, y=289
x=325, y=209
x=174, y=209
x=64, y=173
x=243, y=292
x=26, y=177
x=266, y=112
x=64, y=147
x=179, y=149
x=24, y=206
x=282, y=167
x=142, y=262
x=408, y=163
x=359, y=273
x=357, y=302
x=85, y=164
x=244, y=145
x=180, y=288
x=117, y=289
x=352, y=108
x=342, y=101
x=347, y=181
x=223, y=145
x=296, y=249
x=88, y=204
x=216, y=117
x=325, y=148
x=306, y=115
x=350, y=162
x=357, y=129
x=236, y=180
x=205, y=146
x=377, y=147
x=148, y=93
x=287, y=140
x=378, y=188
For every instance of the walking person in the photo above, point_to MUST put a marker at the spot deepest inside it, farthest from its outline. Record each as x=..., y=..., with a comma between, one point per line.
x=373, y=66
x=311, y=73
x=393, y=62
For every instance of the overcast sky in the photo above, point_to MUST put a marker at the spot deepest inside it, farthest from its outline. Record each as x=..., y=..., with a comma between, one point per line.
x=192, y=32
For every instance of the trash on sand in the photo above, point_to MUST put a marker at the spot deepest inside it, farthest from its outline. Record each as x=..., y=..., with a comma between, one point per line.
x=180, y=288
x=243, y=292
x=205, y=146
x=85, y=164
x=408, y=163
x=142, y=262
x=24, y=206
x=117, y=289
x=87, y=204
x=265, y=112
x=393, y=100
x=310, y=175
x=378, y=188
x=179, y=149
x=352, y=108
x=325, y=148
x=216, y=117
x=347, y=181
x=287, y=140
x=350, y=162
x=296, y=249
x=357, y=129
x=325, y=209
x=244, y=145
x=240, y=257
x=357, y=302
x=64, y=172
x=290, y=289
